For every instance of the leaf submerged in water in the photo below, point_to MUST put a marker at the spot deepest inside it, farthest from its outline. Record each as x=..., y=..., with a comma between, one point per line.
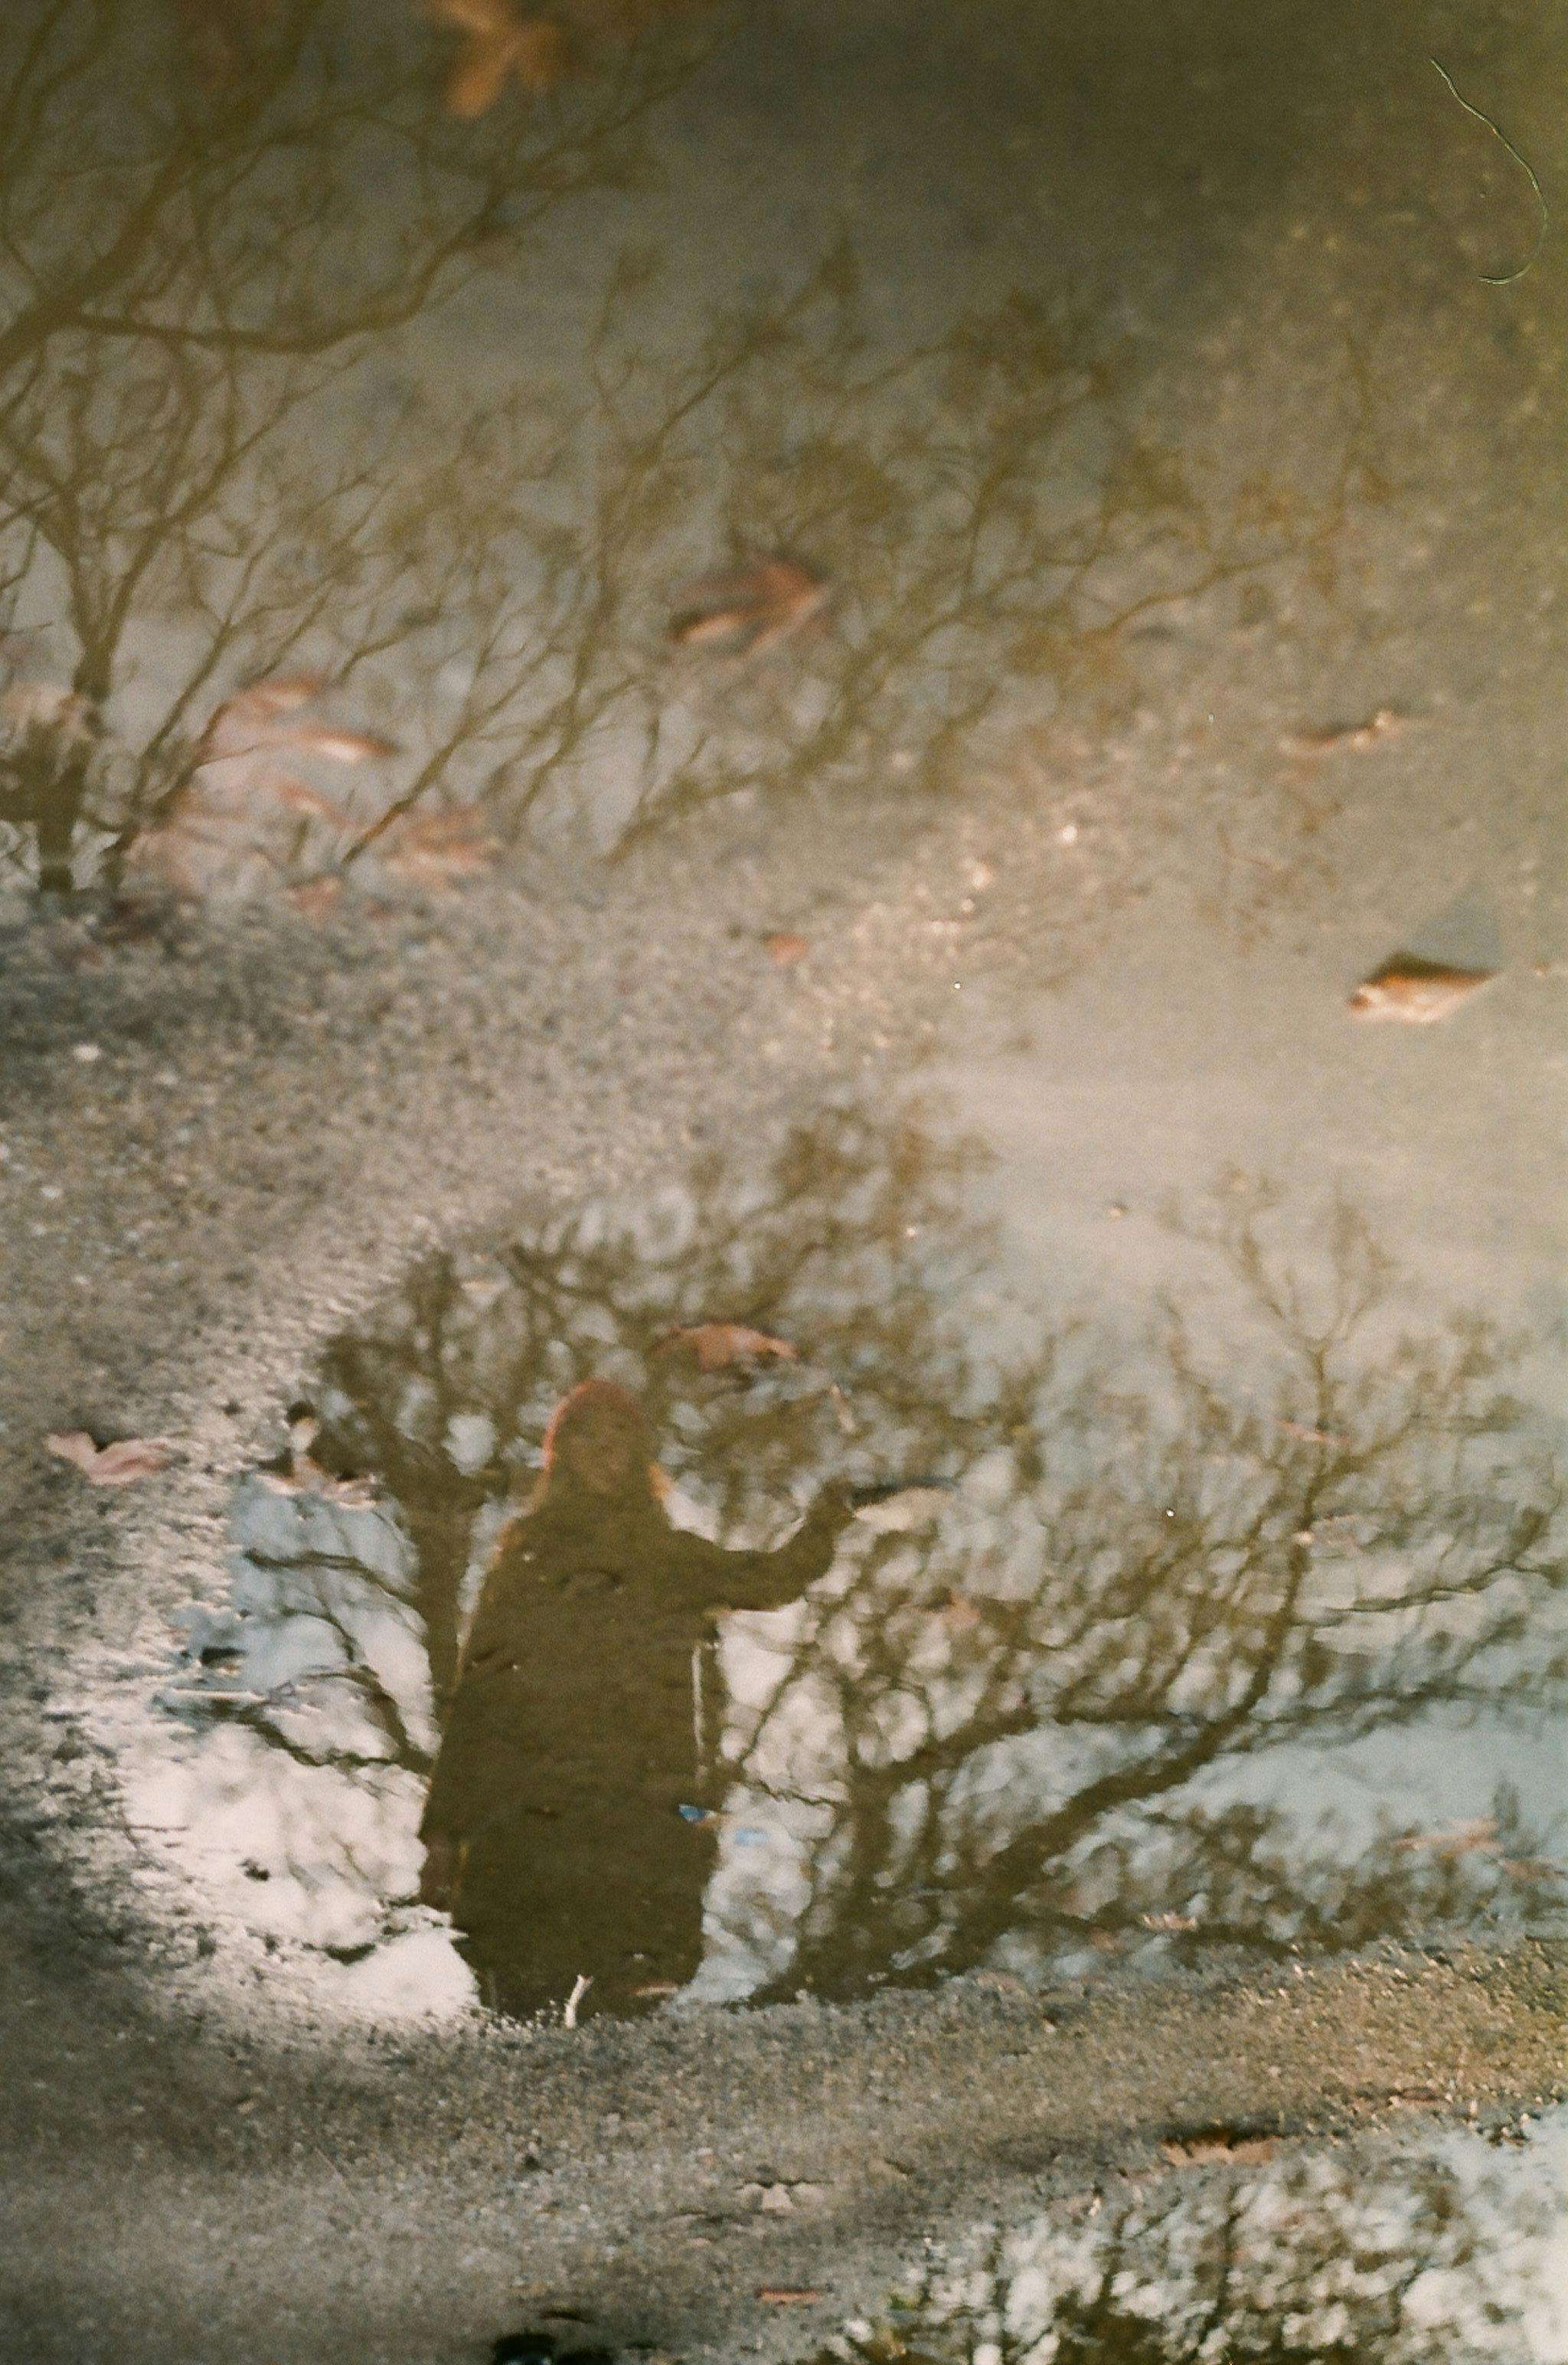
x=120, y=1465
x=1415, y=992
x=719, y=1344
x=751, y=608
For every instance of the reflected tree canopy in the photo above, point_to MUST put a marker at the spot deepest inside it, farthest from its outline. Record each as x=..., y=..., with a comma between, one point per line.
x=1403, y=2255
x=226, y=455
x=1202, y=1651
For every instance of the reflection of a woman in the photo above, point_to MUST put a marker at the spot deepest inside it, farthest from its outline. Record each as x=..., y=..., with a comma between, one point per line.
x=551, y=1828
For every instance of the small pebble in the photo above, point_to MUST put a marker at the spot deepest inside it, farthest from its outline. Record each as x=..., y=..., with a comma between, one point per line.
x=87, y=1053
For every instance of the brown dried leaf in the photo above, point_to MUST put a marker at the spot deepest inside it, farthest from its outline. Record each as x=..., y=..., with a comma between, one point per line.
x=279, y=693
x=1202, y=2150
x=717, y=1344
x=48, y=706
x=788, y=2295
x=434, y=849
x=1340, y=737
x=298, y=796
x=317, y=897
x=1414, y=991
x=1460, y=1839
x=486, y=17
x=120, y=1464
x=752, y=606
x=479, y=76
x=500, y=46
x=341, y=746
x=783, y=946
x=1169, y=1920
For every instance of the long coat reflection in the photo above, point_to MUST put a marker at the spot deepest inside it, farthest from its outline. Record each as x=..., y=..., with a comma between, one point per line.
x=552, y=1827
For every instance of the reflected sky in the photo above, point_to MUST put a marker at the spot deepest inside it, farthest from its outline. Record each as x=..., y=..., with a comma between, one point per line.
x=1093, y=1650
x=1451, y=2249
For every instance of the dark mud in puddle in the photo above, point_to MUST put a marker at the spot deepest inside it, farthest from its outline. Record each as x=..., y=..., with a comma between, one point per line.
x=752, y=1592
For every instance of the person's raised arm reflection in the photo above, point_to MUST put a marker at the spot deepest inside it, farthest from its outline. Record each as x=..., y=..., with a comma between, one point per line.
x=551, y=1829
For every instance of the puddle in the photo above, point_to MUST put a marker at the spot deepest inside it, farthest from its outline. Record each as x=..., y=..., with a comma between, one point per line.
x=359, y=555
x=1451, y=2250
x=931, y=1621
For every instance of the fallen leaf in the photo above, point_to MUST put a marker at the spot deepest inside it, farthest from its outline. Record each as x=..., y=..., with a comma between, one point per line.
x=120, y=1464
x=895, y=1509
x=752, y=606
x=483, y=16
x=1460, y=1839
x=1415, y=991
x=435, y=848
x=280, y=693
x=784, y=947
x=788, y=2295
x=717, y=1344
x=242, y=722
x=317, y=897
x=339, y=746
x=500, y=45
x=48, y=706
x=1347, y=736
x=1202, y=2150
x=1167, y=1921
x=298, y=796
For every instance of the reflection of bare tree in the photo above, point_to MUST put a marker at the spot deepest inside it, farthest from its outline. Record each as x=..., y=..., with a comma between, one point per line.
x=199, y=484
x=1358, y=1543
x=1405, y=2257
x=190, y=264
x=1030, y=1728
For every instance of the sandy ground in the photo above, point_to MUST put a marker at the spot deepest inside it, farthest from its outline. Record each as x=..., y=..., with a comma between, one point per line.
x=276, y=1113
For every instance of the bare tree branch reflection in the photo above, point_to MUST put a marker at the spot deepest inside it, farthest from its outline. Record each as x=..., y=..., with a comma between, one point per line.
x=1403, y=2254
x=206, y=472
x=1113, y=1701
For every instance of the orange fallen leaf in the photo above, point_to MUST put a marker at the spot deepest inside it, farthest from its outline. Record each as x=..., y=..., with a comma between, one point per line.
x=1415, y=991
x=279, y=693
x=317, y=897
x=754, y=607
x=341, y=747
x=435, y=848
x=788, y=2295
x=486, y=17
x=48, y=706
x=1200, y=2150
x=1460, y=1839
x=298, y=796
x=500, y=45
x=1349, y=736
x=784, y=947
x=717, y=1344
x=120, y=1464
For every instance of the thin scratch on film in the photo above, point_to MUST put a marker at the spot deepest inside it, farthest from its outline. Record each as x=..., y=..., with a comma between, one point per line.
x=1508, y=278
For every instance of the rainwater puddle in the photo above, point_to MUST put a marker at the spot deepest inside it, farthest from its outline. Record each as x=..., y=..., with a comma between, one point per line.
x=1451, y=2250
x=820, y=1575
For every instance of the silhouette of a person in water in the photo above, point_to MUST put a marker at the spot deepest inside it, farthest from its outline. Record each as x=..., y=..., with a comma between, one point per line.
x=552, y=1827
